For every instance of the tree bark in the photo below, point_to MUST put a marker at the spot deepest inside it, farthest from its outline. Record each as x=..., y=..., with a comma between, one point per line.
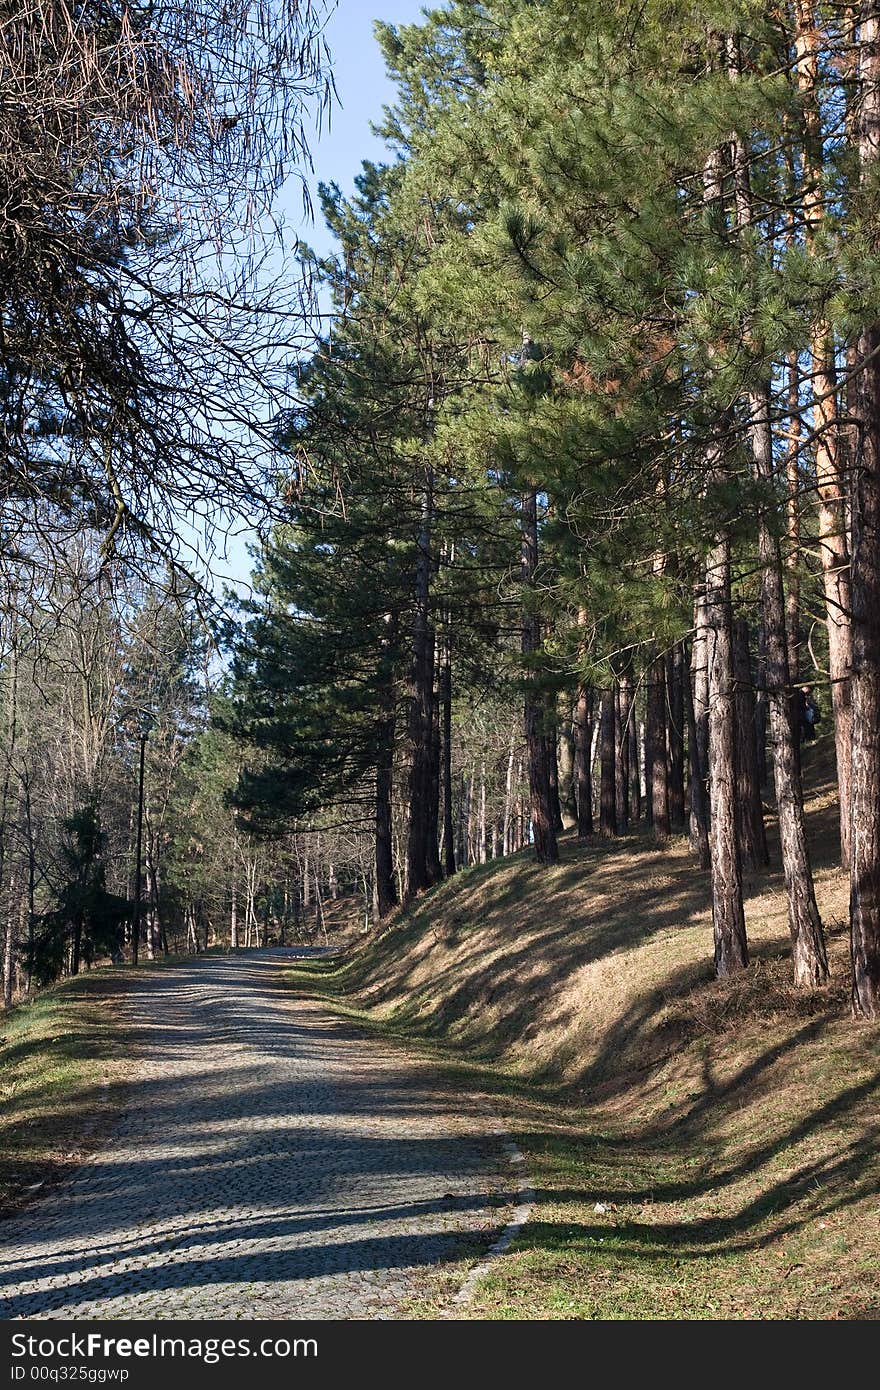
x=607, y=764
x=698, y=826
x=553, y=768
x=420, y=701
x=446, y=705
x=385, y=883
x=865, y=856
x=583, y=770
x=543, y=822
x=750, y=814
x=628, y=692
x=808, y=944
x=432, y=848
x=728, y=917
x=656, y=741
x=832, y=539
x=809, y=959
x=8, y=947
x=566, y=764
x=675, y=677
x=621, y=758
x=793, y=523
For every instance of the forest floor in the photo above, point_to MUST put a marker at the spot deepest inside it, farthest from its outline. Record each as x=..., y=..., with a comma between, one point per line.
x=699, y=1149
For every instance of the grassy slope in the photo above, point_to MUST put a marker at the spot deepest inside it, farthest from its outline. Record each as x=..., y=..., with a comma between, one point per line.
x=62, y=1080
x=701, y=1149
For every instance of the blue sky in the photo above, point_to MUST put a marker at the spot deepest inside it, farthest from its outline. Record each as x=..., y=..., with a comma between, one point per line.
x=344, y=142
x=363, y=89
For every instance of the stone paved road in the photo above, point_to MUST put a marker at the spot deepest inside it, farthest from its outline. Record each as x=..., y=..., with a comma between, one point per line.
x=272, y=1162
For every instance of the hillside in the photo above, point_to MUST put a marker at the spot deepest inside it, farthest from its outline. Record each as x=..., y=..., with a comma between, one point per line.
x=700, y=1148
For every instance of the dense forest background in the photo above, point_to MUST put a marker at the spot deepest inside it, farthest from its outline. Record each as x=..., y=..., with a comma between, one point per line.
x=570, y=512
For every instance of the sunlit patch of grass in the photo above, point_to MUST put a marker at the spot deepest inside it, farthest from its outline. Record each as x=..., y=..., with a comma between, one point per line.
x=62, y=1067
x=700, y=1148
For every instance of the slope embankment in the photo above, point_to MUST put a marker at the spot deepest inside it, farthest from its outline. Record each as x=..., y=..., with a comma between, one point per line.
x=700, y=1148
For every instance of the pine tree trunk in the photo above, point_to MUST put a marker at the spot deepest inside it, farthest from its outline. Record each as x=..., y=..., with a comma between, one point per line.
x=385, y=884
x=793, y=523
x=865, y=858
x=628, y=692
x=621, y=759
x=805, y=926
x=698, y=825
x=675, y=727
x=808, y=945
x=420, y=701
x=8, y=948
x=543, y=822
x=833, y=548
x=761, y=705
x=435, y=868
x=509, y=837
x=700, y=672
x=566, y=764
x=446, y=705
x=553, y=769
x=750, y=814
x=469, y=828
x=583, y=771
x=728, y=918
x=656, y=740
x=607, y=764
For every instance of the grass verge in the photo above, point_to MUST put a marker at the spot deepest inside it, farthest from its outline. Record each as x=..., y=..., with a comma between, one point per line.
x=62, y=1076
x=700, y=1149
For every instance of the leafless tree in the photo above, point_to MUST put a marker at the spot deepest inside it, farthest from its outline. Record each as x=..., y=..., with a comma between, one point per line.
x=143, y=340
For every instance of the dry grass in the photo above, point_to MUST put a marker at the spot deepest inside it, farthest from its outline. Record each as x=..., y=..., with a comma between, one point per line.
x=727, y=1130
x=63, y=1067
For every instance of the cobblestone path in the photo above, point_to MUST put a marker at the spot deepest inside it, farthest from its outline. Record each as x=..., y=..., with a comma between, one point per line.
x=272, y=1163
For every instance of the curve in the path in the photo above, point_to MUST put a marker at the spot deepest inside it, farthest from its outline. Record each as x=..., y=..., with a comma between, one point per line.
x=272, y=1163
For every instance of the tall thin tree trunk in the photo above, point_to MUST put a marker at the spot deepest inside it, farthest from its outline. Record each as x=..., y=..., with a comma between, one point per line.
x=750, y=814
x=700, y=672
x=420, y=702
x=628, y=693
x=435, y=868
x=761, y=709
x=865, y=858
x=698, y=825
x=543, y=821
x=446, y=705
x=808, y=942
x=567, y=799
x=607, y=764
x=385, y=884
x=833, y=547
x=656, y=738
x=583, y=768
x=728, y=917
x=621, y=759
x=793, y=522
x=9, y=945
x=675, y=677
x=553, y=767
x=509, y=838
